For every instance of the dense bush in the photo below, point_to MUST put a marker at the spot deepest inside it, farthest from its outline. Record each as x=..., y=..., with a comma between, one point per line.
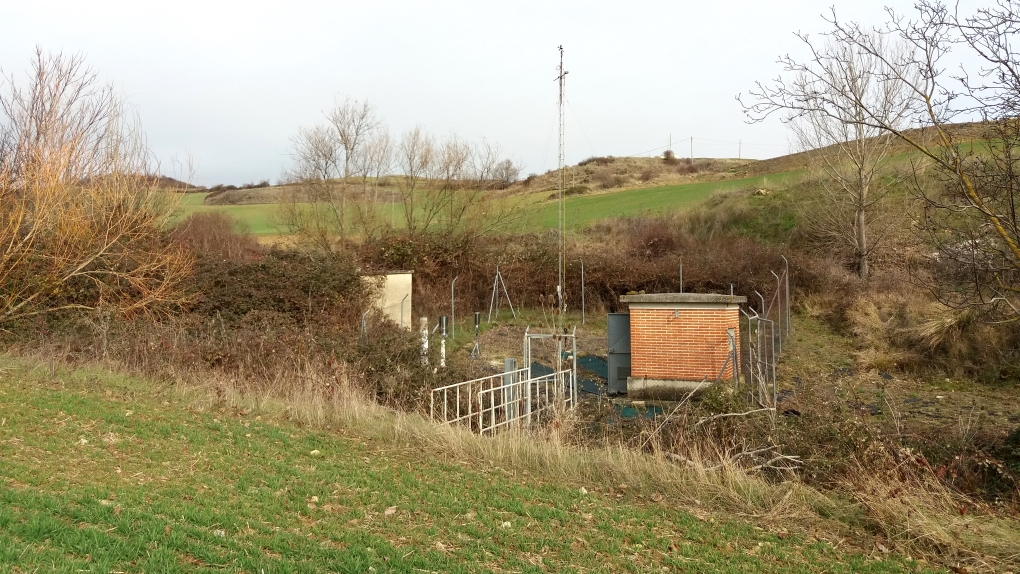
x=607, y=179
x=292, y=284
x=687, y=166
x=597, y=160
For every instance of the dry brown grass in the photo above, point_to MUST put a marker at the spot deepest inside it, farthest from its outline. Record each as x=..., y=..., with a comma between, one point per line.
x=906, y=329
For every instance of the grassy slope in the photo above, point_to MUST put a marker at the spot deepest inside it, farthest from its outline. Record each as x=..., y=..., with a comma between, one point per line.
x=102, y=473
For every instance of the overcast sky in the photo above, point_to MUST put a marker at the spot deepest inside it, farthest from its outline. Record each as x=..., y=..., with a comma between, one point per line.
x=230, y=82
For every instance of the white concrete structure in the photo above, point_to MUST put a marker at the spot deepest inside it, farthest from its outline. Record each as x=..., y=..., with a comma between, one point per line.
x=394, y=299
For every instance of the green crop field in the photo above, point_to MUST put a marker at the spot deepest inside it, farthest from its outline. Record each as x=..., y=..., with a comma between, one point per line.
x=581, y=211
x=260, y=218
x=537, y=212
x=104, y=473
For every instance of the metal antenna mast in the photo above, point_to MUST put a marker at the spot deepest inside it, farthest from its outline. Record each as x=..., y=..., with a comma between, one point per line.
x=559, y=286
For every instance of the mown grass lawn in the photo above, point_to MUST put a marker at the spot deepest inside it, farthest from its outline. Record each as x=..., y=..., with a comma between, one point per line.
x=105, y=473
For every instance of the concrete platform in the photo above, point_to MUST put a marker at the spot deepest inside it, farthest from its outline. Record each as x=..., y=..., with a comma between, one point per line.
x=663, y=389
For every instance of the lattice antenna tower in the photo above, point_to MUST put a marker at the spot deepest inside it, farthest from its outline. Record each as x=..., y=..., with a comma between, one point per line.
x=561, y=78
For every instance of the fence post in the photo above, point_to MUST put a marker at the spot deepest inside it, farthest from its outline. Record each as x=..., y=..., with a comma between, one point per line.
x=509, y=404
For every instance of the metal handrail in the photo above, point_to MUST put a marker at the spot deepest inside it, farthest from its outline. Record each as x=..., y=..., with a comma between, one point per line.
x=496, y=376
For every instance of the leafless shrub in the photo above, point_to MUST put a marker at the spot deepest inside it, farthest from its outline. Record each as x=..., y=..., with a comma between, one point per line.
x=217, y=233
x=607, y=179
x=81, y=211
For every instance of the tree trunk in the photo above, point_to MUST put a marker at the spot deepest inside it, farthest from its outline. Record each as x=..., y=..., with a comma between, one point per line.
x=862, y=245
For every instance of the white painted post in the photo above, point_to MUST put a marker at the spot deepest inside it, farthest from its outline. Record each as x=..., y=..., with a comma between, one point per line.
x=424, y=322
x=442, y=343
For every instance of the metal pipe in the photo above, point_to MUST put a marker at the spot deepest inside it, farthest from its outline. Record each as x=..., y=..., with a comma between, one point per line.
x=573, y=364
x=760, y=296
x=424, y=325
x=779, y=304
x=453, y=310
x=402, y=310
x=786, y=276
x=775, y=392
x=478, y=321
x=364, y=326
x=582, y=292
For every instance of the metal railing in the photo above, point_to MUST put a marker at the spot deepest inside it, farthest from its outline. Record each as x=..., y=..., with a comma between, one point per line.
x=510, y=399
x=459, y=402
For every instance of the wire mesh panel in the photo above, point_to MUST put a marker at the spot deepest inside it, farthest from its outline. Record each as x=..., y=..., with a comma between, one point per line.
x=760, y=368
x=767, y=328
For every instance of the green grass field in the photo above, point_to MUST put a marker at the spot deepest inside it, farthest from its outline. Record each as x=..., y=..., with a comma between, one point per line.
x=106, y=473
x=582, y=211
x=260, y=218
x=537, y=212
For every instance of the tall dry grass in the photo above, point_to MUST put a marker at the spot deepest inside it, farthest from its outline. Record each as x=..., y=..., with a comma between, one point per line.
x=894, y=502
x=901, y=507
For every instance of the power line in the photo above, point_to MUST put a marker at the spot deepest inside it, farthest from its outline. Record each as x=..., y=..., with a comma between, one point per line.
x=581, y=127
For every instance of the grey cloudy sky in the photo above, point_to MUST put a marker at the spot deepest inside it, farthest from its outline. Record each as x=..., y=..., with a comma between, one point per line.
x=230, y=82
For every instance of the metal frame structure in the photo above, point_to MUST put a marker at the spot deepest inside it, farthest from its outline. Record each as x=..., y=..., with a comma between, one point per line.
x=512, y=399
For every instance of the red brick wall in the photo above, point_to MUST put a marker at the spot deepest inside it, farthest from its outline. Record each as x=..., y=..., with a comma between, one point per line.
x=691, y=347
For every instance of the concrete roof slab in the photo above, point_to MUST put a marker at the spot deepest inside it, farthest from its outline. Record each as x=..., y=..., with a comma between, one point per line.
x=683, y=298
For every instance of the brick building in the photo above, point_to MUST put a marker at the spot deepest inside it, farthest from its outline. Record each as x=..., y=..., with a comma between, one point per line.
x=679, y=341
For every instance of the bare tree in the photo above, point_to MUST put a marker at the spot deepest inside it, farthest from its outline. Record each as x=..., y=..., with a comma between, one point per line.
x=328, y=159
x=970, y=198
x=374, y=163
x=415, y=158
x=830, y=101
x=448, y=186
x=81, y=214
x=506, y=173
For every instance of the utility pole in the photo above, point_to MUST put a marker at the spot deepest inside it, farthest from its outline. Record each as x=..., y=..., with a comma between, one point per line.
x=692, y=148
x=561, y=78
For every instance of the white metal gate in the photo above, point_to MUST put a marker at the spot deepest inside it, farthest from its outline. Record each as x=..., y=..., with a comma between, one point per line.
x=514, y=398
